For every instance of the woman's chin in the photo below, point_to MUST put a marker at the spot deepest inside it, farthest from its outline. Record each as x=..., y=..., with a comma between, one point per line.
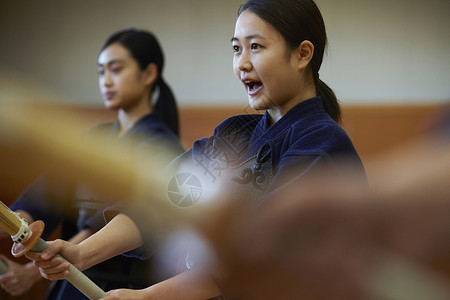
x=258, y=104
x=110, y=105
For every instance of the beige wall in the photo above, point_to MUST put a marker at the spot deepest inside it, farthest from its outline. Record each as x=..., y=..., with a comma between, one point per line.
x=380, y=51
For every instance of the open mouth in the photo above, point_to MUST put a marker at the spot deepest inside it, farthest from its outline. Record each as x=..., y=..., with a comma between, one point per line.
x=109, y=95
x=253, y=86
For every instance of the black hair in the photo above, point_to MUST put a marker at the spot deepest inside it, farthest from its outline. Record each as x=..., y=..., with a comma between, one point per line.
x=144, y=47
x=297, y=21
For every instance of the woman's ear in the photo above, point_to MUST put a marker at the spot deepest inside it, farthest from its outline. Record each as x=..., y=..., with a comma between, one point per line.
x=150, y=74
x=305, y=53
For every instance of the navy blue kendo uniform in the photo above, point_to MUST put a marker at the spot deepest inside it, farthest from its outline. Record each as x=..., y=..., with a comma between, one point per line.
x=253, y=159
x=58, y=201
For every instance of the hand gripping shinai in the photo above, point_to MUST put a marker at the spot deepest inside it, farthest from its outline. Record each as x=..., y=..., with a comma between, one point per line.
x=28, y=238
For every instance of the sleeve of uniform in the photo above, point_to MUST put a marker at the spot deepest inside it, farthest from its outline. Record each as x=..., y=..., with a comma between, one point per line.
x=95, y=222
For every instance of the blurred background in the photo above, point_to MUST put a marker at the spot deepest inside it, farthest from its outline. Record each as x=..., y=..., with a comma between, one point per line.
x=388, y=62
x=380, y=52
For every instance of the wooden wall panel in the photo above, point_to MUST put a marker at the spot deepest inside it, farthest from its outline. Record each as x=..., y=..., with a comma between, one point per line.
x=376, y=129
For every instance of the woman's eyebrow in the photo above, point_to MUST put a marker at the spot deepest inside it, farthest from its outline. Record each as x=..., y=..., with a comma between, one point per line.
x=111, y=62
x=249, y=37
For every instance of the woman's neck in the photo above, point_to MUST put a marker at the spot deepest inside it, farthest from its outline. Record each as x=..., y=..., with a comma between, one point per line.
x=128, y=117
x=277, y=112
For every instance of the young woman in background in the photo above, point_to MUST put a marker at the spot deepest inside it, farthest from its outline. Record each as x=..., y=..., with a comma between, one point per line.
x=130, y=67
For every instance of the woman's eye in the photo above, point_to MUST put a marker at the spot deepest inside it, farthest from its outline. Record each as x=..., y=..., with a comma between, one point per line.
x=101, y=72
x=116, y=70
x=256, y=46
x=236, y=48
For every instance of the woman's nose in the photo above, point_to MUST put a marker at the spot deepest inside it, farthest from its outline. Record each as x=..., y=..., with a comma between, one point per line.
x=107, y=80
x=244, y=63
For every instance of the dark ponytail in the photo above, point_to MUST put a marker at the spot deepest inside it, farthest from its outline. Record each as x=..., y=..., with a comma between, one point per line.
x=297, y=21
x=166, y=106
x=329, y=100
x=145, y=48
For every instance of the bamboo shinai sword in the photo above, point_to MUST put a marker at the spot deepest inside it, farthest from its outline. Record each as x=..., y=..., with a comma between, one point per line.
x=28, y=238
